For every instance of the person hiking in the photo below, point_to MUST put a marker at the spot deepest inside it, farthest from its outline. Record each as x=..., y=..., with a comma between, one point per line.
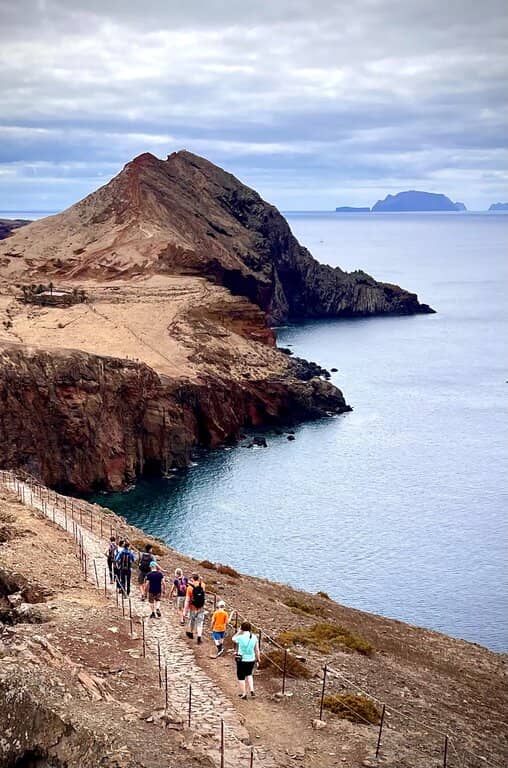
x=124, y=559
x=154, y=580
x=144, y=560
x=179, y=591
x=247, y=654
x=116, y=566
x=111, y=554
x=195, y=607
x=220, y=620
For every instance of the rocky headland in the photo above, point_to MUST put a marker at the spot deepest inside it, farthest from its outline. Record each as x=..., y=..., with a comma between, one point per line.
x=9, y=225
x=137, y=324
x=499, y=207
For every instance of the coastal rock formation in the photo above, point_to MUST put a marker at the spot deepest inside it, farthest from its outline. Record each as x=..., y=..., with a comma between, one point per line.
x=9, y=225
x=81, y=421
x=185, y=215
x=416, y=201
x=499, y=207
x=349, y=209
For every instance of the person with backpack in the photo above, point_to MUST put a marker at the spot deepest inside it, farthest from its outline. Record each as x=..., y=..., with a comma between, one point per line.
x=155, y=584
x=124, y=559
x=247, y=654
x=179, y=590
x=144, y=564
x=220, y=620
x=195, y=607
x=111, y=554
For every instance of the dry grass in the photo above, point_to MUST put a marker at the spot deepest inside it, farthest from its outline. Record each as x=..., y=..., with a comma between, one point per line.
x=300, y=606
x=225, y=570
x=352, y=707
x=141, y=543
x=323, y=637
x=324, y=595
x=274, y=661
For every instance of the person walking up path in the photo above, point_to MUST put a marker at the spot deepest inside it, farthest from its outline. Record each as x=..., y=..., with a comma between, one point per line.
x=111, y=554
x=195, y=607
x=124, y=559
x=247, y=654
x=144, y=565
x=179, y=592
x=220, y=620
x=155, y=582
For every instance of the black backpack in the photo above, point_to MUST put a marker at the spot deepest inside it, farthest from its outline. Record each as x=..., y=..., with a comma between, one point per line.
x=144, y=562
x=125, y=561
x=198, y=595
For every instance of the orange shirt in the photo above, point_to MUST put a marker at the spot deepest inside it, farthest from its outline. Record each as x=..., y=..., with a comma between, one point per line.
x=188, y=598
x=219, y=621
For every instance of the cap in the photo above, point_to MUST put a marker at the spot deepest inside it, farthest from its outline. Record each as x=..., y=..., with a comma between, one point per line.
x=153, y=564
x=221, y=604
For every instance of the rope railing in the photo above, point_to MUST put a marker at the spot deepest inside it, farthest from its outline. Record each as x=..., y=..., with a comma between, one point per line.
x=80, y=513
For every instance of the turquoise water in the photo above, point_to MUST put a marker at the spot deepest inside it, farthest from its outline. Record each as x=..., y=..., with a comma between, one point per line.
x=400, y=506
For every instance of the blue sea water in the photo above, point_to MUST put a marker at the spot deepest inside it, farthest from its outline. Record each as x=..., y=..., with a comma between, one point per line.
x=399, y=507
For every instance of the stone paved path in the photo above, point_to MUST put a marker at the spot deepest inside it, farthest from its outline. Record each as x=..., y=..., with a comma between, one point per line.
x=209, y=703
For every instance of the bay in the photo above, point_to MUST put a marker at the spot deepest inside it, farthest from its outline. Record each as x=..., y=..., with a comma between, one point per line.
x=399, y=507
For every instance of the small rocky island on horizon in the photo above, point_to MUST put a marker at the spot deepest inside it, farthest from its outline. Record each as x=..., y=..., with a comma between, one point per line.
x=499, y=207
x=411, y=200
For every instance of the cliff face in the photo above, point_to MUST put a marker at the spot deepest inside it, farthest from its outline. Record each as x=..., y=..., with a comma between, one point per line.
x=186, y=215
x=81, y=421
x=9, y=225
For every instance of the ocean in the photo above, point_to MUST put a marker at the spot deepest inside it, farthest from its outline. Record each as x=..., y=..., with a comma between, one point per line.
x=398, y=508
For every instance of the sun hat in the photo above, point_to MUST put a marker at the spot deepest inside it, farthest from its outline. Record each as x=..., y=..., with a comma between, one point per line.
x=221, y=604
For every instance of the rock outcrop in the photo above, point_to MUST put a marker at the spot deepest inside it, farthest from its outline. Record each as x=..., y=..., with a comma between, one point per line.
x=9, y=225
x=186, y=215
x=81, y=421
x=499, y=207
x=416, y=201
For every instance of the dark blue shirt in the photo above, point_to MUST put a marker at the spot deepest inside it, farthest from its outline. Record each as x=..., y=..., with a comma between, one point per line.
x=154, y=579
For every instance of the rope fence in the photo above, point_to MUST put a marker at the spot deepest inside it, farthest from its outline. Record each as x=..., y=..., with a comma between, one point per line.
x=79, y=515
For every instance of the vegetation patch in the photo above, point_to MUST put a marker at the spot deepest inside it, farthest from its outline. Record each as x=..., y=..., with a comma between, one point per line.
x=226, y=570
x=140, y=545
x=274, y=661
x=353, y=707
x=323, y=637
x=300, y=606
x=324, y=595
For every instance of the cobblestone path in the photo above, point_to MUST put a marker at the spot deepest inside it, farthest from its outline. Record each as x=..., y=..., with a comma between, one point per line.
x=209, y=703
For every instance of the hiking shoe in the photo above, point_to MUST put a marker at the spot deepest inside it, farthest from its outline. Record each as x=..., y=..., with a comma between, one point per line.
x=190, y=635
x=182, y=622
x=253, y=694
x=242, y=696
x=220, y=652
x=159, y=614
x=143, y=598
x=152, y=615
x=200, y=640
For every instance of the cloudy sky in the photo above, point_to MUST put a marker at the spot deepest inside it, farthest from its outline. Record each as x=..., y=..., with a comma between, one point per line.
x=315, y=103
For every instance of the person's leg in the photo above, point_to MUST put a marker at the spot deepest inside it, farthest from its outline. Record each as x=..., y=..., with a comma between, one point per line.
x=123, y=581
x=250, y=682
x=192, y=623
x=110, y=569
x=241, y=679
x=157, y=606
x=151, y=601
x=200, y=620
x=128, y=582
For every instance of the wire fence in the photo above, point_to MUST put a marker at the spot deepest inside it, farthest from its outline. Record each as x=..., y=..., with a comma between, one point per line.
x=446, y=748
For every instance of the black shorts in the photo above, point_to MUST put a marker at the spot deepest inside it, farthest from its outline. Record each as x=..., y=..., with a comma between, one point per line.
x=244, y=669
x=142, y=576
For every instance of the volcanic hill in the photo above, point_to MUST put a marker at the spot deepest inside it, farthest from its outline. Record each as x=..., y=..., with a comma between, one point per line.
x=153, y=334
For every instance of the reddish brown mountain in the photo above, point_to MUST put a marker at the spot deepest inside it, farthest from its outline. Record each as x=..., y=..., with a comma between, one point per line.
x=185, y=215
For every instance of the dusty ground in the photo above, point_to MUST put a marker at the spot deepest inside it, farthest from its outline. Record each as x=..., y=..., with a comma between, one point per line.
x=180, y=326
x=443, y=684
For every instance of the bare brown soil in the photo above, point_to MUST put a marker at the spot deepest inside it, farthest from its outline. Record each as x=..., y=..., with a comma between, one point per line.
x=431, y=684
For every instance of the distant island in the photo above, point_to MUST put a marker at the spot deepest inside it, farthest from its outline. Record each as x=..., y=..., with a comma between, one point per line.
x=417, y=201
x=497, y=207
x=350, y=209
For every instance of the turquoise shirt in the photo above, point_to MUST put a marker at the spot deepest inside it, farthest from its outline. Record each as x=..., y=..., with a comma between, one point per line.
x=246, y=645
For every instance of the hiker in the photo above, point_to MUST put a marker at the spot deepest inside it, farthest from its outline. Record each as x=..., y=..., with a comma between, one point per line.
x=144, y=564
x=195, y=607
x=154, y=580
x=116, y=566
x=111, y=554
x=124, y=559
x=247, y=654
x=179, y=590
x=220, y=620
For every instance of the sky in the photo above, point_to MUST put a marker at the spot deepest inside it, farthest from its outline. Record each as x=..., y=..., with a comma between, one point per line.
x=314, y=103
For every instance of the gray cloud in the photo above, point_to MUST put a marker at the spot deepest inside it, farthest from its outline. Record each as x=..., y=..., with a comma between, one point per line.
x=314, y=103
